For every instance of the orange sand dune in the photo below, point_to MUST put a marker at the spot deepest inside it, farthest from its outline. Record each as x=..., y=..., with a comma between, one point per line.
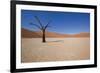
x=34, y=34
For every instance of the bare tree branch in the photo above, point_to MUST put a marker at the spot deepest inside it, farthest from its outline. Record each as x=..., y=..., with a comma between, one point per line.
x=47, y=25
x=42, y=28
x=39, y=21
x=36, y=26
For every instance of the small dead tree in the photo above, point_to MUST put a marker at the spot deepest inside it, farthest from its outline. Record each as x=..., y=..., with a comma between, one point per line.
x=42, y=28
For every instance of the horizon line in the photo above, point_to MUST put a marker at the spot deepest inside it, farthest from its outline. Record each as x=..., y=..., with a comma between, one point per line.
x=54, y=31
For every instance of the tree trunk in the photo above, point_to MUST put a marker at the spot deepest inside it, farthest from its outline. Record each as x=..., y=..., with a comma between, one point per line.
x=43, y=37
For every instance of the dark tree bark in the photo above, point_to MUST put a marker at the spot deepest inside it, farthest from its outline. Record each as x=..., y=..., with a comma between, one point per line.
x=42, y=28
x=43, y=36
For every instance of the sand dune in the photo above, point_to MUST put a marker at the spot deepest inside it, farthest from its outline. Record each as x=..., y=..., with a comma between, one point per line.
x=33, y=34
x=58, y=47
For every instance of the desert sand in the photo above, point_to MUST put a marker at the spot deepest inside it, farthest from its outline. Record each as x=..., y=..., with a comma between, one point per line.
x=55, y=49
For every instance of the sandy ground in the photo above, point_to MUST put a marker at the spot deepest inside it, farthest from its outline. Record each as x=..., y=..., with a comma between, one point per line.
x=55, y=49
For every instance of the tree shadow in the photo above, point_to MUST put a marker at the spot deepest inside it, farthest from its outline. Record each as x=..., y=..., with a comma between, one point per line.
x=55, y=41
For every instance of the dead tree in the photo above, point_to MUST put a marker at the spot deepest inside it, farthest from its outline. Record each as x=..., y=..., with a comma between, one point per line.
x=42, y=28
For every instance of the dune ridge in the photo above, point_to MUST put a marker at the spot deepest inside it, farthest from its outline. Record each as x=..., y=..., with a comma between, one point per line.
x=38, y=34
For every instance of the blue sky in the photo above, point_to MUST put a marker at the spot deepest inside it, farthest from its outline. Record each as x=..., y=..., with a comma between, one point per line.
x=61, y=22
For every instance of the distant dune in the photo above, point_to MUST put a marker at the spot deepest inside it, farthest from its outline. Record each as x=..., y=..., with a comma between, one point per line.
x=34, y=34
